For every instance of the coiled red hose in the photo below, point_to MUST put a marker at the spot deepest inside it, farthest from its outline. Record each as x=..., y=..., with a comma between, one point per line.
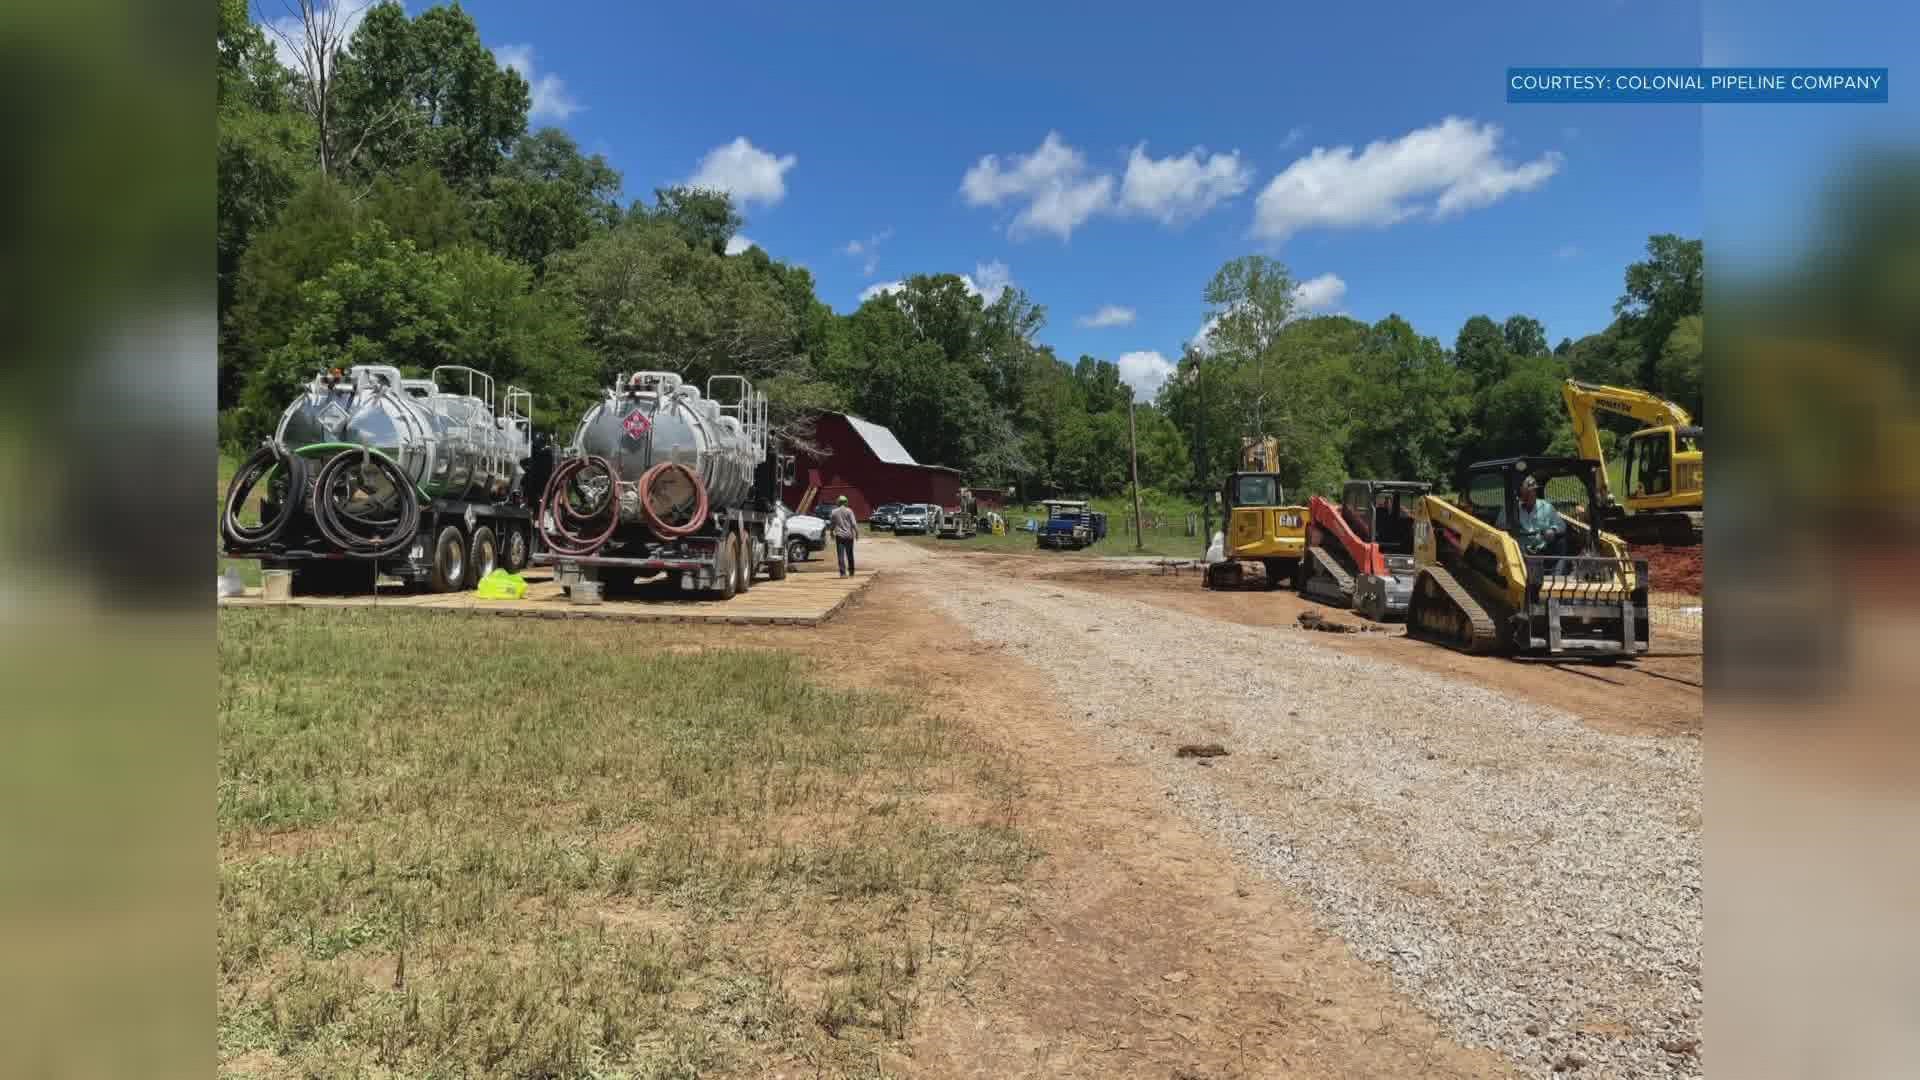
x=566, y=530
x=660, y=525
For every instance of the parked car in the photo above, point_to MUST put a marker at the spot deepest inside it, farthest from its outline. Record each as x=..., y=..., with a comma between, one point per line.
x=806, y=534
x=884, y=516
x=917, y=518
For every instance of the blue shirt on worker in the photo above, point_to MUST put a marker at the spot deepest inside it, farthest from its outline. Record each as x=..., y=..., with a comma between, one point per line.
x=1531, y=526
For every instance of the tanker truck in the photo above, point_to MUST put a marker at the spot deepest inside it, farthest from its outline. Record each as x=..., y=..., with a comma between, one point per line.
x=371, y=471
x=661, y=479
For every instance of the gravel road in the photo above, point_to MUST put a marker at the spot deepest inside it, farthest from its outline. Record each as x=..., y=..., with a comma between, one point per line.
x=1531, y=883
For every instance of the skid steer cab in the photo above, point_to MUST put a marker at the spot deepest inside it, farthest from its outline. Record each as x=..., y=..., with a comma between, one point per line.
x=1512, y=566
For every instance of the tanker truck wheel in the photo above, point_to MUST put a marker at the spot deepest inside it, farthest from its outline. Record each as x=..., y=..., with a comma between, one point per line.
x=516, y=550
x=796, y=550
x=484, y=555
x=747, y=563
x=726, y=578
x=449, y=560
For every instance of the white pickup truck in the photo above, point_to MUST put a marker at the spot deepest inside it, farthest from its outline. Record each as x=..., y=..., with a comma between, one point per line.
x=795, y=536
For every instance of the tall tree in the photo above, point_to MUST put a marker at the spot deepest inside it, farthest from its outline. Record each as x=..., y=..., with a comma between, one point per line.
x=1250, y=299
x=548, y=197
x=1524, y=336
x=1481, y=351
x=1660, y=291
x=423, y=90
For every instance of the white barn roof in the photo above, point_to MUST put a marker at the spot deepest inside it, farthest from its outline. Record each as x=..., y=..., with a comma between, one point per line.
x=881, y=442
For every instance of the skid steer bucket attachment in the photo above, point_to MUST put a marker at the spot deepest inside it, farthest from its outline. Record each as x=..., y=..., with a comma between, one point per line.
x=1594, y=605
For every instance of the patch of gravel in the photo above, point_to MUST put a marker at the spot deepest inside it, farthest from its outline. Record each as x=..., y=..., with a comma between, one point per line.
x=1531, y=883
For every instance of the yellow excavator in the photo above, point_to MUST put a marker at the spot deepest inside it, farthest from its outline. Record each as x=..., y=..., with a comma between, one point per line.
x=1511, y=566
x=1665, y=470
x=1260, y=525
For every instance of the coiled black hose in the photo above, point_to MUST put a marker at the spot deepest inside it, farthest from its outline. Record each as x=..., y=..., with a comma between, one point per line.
x=292, y=467
x=568, y=531
x=356, y=529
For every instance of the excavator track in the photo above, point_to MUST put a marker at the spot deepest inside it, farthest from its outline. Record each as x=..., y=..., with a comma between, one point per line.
x=1441, y=611
x=1327, y=581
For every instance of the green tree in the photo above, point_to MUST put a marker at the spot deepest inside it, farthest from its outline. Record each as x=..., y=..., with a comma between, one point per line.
x=1481, y=351
x=1660, y=291
x=1411, y=407
x=1679, y=368
x=312, y=232
x=1604, y=358
x=1524, y=336
x=423, y=90
x=388, y=301
x=264, y=145
x=548, y=197
x=703, y=219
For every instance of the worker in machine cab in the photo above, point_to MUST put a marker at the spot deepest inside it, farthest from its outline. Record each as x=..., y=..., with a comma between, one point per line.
x=845, y=529
x=1538, y=526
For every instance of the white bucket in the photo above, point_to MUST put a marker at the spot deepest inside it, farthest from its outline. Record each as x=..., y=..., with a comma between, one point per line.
x=584, y=592
x=276, y=585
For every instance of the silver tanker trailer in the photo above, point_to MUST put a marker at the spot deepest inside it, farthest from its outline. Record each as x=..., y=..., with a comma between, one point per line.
x=663, y=479
x=420, y=477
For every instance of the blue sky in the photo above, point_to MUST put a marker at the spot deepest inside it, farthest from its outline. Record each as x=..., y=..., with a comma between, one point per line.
x=873, y=127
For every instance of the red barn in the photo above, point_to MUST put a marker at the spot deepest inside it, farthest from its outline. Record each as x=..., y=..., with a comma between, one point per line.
x=864, y=462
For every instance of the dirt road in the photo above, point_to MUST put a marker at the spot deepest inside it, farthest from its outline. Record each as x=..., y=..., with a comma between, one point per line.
x=1395, y=870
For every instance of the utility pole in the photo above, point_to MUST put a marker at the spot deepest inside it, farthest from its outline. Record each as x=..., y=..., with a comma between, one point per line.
x=1133, y=454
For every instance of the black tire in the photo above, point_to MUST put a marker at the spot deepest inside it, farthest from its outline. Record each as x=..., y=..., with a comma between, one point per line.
x=483, y=555
x=796, y=549
x=776, y=569
x=516, y=548
x=745, y=565
x=449, y=570
x=726, y=576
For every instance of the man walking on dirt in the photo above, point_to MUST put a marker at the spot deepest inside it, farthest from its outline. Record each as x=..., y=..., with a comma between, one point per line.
x=845, y=528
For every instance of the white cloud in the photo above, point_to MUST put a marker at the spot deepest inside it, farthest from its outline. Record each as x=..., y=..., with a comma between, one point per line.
x=1437, y=171
x=869, y=247
x=1110, y=315
x=1566, y=251
x=1294, y=135
x=1318, y=294
x=1146, y=371
x=744, y=171
x=548, y=92
x=1052, y=181
x=289, y=35
x=1175, y=189
x=1057, y=193
x=881, y=289
x=989, y=280
x=738, y=243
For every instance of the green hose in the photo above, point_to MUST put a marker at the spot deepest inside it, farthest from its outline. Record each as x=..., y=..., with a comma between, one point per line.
x=315, y=448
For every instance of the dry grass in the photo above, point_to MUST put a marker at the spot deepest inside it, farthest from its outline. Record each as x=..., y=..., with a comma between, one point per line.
x=487, y=849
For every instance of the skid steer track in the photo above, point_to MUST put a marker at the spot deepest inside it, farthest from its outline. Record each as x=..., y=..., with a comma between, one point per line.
x=1326, y=580
x=1443, y=612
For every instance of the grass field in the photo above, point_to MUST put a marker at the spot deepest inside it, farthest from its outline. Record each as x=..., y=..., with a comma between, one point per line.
x=584, y=852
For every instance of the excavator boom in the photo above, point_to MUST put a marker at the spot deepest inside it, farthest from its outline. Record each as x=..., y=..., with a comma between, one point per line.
x=1665, y=468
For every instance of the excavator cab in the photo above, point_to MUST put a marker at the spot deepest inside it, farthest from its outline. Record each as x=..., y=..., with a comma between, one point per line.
x=1497, y=575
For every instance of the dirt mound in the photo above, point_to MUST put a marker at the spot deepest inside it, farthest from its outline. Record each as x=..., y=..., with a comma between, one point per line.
x=1673, y=569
